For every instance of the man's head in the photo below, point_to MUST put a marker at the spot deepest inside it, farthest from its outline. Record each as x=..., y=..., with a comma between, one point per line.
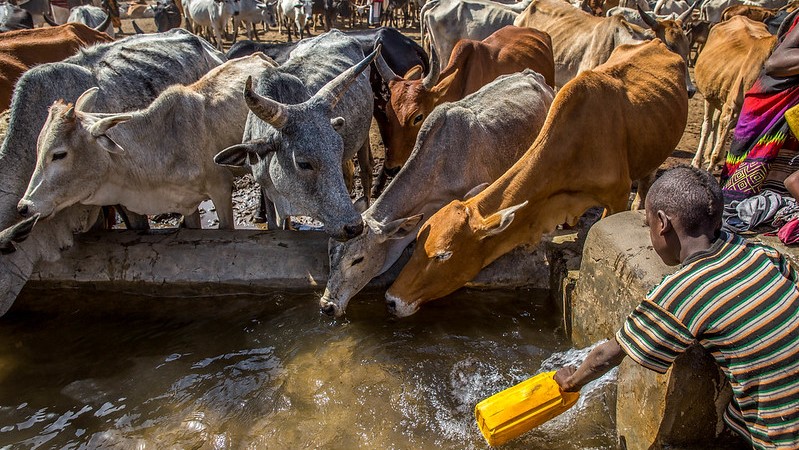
x=684, y=203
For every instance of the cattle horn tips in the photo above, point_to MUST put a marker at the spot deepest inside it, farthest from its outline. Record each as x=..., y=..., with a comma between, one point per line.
x=385, y=71
x=334, y=90
x=431, y=78
x=85, y=103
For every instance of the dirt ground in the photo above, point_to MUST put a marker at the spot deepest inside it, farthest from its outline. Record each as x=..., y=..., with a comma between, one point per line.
x=245, y=200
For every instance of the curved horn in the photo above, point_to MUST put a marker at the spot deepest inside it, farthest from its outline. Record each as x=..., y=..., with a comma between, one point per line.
x=272, y=112
x=136, y=27
x=49, y=21
x=335, y=89
x=386, y=73
x=431, y=78
x=687, y=14
x=85, y=103
x=650, y=21
x=105, y=23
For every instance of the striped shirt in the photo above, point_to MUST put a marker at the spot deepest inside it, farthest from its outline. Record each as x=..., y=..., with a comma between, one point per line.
x=741, y=302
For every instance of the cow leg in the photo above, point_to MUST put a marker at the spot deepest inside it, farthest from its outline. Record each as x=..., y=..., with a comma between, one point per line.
x=192, y=221
x=349, y=174
x=236, y=25
x=644, y=183
x=132, y=220
x=218, y=37
x=724, y=127
x=704, y=135
x=365, y=164
x=221, y=194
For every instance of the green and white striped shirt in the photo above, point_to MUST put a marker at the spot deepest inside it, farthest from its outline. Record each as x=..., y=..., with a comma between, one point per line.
x=741, y=302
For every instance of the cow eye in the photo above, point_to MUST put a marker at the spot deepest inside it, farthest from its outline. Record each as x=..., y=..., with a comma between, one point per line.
x=418, y=119
x=305, y=165
x=442, y=256
x=357, y=261
x=59, y=155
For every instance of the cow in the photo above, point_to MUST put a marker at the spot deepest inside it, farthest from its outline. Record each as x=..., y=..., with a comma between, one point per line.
x=294, y=13
x=728, y=66
x=712, y=10
x=212, y=15
x=581, y=41
x=92, y=17
x=166, y=15
x=130, y=73
x=138, y=11
x=20, y=50
x=110, y=159
x=696, y=32
x=465, y=143
x=473, y=65
x=400, y=52
x=677, y=7
x=756, y=13
x=445, y=22
x=14, y=18
x=308, y=118
x=251, y=13
x=323, y=11
x=634, y=17
x=574, y=164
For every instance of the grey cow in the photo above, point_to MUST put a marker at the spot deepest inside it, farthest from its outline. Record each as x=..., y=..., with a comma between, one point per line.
x=110, y=159
x=130, y=73
x=92, y=17
x=462, y=146
x=308, y=118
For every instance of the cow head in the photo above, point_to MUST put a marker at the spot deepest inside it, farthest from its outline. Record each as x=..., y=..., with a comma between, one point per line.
x=303, y=10
x=449, y=252
x=166, y=15
x=671, y=33
x=228, y=8
x=74, y=153
x=411, y=101
x=354, y=262
x=268, y=12
x=300, y=153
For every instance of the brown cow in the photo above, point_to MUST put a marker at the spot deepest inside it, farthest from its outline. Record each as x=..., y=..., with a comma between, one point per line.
x=473, y=65
x=727, y=67
x=756, y=13
x=22, y=49
x=580, y=159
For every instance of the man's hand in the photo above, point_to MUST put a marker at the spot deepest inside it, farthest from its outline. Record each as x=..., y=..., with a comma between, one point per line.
x=562, y=377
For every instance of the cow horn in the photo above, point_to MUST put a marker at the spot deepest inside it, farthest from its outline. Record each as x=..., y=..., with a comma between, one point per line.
x=687, y=14
x=85, y=103
x=335, y=89
x=385, y=71
x=272, y=112
x=49, y=20
x=102, y=27
x=136, y=27
x=650, y=21
x=431, y=78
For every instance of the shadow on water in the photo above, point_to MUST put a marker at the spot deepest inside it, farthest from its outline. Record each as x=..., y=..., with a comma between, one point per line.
x=94, y=370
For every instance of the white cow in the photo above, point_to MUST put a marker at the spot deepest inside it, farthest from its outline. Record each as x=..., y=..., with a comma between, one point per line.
x=446, y=22
x=711, y=10
x=252, y=12
x=155, y=160
x=212, y=15
x=92, y=17
x=294, y=13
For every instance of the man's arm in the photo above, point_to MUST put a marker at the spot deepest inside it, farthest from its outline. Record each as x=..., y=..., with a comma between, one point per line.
x=784, y=62
x=598, y=362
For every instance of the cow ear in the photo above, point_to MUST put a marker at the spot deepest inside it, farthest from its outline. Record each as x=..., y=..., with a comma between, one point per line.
x=400, y=228
x=475, y=190
x=240, y=155
x=337, y=123
x=109, y=144
x=414, y=73
x=499, y=221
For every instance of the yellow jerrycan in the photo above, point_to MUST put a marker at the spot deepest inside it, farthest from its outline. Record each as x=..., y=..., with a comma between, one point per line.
x=520, y=408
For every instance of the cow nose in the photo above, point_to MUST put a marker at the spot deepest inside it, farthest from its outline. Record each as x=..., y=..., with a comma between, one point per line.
x=22, y=209
x=392, y=306
x=691, y=92
x=392, y=171
x=236, y=13
x=353, y=230
x=329, y=309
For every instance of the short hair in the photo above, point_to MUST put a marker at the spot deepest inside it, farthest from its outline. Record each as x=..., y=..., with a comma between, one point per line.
x=690, y=195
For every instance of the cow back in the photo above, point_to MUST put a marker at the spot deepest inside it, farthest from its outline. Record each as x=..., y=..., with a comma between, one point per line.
x=732, y=59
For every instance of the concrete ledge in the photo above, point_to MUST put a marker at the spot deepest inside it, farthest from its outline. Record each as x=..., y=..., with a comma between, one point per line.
x=681, y=409
x=207, y=262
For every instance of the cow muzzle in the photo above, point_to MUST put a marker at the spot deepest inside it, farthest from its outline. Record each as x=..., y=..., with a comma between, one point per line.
x=398, y=307
x=330, y=308
x=24, y=208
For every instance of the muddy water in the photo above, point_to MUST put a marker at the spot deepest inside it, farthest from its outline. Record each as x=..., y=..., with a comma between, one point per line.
x=270, y=372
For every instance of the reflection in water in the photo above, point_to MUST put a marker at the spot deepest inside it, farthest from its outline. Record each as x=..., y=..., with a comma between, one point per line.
x=274, y=373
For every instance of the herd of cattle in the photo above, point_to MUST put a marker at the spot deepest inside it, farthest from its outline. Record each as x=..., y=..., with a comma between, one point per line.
x=518, y=121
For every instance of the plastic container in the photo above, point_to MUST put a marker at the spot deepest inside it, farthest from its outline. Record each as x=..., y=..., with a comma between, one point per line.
x=520, y=408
